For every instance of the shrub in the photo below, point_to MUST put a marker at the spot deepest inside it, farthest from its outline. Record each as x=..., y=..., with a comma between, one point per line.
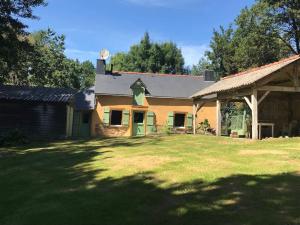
x=204, y=127
x=167, y=129
x=13, y=137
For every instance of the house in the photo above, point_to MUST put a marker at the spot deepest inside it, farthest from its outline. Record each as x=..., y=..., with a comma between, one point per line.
x=39, y=112
x=138, y=104
x=272, y=93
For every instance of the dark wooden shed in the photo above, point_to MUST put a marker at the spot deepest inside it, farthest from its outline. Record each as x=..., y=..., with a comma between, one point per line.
x=39, y=112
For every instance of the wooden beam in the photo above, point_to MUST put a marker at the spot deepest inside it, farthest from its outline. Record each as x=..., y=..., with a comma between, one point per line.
x=194, y=117
x=234, y=95
x=203, y=100
x=248, y=102
x=279, y=89
x=199, y=106
x=263, y=97
x=219, y=118
x=254, y=115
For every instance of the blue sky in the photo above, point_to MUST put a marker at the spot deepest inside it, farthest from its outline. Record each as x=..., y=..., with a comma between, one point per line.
x=91, y=25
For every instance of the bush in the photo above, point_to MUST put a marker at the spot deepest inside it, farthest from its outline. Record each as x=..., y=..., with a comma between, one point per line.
x=167, y=129
x=13, y=137
x=204, y=127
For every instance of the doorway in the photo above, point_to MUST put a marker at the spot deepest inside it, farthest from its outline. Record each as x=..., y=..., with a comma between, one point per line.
x=138, y=128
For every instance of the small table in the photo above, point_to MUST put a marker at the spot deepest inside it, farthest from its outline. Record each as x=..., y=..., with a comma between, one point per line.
x=260, y=125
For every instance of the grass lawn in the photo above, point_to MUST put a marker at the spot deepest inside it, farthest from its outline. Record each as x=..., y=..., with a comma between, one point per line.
x=160, y=180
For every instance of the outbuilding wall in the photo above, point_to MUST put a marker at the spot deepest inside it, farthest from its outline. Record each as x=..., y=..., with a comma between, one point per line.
x=34, y=119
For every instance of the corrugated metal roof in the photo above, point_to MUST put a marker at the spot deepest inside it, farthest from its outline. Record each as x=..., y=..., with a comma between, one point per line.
x=161, y=86
x=42, y=94
x=246, y=78
x=85, y=100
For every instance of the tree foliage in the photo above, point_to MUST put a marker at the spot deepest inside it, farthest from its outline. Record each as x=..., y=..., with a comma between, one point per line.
x=261, y=34
x=285, y=15
x=203, y=64
x=50, y=67
x=13, y=42
x=46, y=64
x=150, y=57
x=37, y=58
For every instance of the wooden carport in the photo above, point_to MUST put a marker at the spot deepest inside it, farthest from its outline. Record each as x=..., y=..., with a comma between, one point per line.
x=271, y=91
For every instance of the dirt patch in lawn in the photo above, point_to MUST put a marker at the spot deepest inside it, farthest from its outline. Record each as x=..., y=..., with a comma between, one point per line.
x=140, y=162
x=262, y=152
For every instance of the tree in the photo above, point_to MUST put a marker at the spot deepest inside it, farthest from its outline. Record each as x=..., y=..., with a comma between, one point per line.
x=150, y=57
x=258, y=38
x=120, y=61
x=254, y=38
x=13, y=36
x=286, y=22
x=203, y=64
x=48, y=65
x=222, y=51
x=172, y=59
x=87, y=74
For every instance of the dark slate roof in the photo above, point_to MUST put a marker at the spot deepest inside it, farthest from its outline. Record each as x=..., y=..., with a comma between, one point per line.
x=41, y=94
x=85, y=100
x=163, y=86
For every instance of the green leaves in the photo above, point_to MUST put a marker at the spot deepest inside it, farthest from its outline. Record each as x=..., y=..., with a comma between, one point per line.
x=47, y=65
x=150, y=57
x=14, y=45
x=256, y=40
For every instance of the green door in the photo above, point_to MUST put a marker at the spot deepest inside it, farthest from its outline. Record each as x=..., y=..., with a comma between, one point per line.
x=81, y=124
x=85, y=124
x=138, y=124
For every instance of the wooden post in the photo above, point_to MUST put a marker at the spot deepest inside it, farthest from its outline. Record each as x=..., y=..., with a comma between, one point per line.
x=69, y=122
x=254, y=115
x=194, y=118
x=219, y=118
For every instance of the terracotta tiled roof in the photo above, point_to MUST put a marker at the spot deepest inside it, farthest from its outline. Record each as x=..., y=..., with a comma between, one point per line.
x=246, y=78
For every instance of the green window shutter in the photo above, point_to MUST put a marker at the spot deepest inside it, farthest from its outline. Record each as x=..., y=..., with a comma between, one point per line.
x=189, y=120
x=125, y=118
x=171, y=119
x=106, y=116
x=150, y=122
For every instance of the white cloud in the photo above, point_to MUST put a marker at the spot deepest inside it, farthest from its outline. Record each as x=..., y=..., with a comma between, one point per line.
x=193, y=53
x=82, y=55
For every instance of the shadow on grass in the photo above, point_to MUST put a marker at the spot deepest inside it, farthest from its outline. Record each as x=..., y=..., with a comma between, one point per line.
x=52, y=186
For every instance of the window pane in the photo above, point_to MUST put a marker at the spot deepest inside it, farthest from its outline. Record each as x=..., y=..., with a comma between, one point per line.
x=179, y=120
x=116, y=117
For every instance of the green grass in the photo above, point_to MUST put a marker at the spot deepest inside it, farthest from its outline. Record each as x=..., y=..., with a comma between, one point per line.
x=160, y=180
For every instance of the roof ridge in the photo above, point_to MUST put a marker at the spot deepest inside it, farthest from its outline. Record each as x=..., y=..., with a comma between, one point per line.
x=261, y=67
x=156, y=74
